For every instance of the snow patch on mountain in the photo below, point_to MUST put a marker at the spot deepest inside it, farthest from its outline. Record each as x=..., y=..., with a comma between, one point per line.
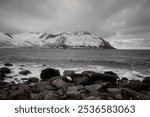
x=78, y=39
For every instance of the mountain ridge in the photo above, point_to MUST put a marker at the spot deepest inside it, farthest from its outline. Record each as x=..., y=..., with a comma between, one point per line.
x=78, y=39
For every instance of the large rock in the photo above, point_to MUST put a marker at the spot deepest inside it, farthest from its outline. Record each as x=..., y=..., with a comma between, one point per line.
x=128, y=94
x=111, y=73
x=134, y=85
x=46, y=95
x=146, y=81
x=88, y=73
x=51, y=95
x=5, y=70
x=25, y=72
x=59, y=83
x=103, y=77
x=2, y=75
x=3, y=95
x=81, y=80
x=75, y=92
x=33, y=80
x=43, y=86
x=8, y=64
x=49, y=73
x=94, y=87
x=68, y=72
x=123, y=80
x=20, y=95
x=4, y=85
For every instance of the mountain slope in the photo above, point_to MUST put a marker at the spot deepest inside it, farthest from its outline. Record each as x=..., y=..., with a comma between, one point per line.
x=62, y=40
x=6, y=40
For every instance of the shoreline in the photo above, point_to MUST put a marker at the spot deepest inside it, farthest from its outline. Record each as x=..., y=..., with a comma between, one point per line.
x=71, y=85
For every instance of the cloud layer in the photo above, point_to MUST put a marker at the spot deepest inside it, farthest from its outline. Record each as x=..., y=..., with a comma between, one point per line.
x=125, y=23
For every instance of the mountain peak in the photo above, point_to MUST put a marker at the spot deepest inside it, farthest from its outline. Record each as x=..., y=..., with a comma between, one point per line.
x=77, y=39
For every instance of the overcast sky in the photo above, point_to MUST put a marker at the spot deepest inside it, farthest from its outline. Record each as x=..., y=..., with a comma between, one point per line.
x=124, y=23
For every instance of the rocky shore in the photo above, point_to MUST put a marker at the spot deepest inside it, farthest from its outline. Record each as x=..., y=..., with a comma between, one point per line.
x=88, y=85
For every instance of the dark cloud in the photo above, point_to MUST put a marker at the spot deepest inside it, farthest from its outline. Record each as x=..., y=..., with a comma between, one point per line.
x=104, y=17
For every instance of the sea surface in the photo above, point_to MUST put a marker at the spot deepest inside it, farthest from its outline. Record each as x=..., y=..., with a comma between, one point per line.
x=133, y=64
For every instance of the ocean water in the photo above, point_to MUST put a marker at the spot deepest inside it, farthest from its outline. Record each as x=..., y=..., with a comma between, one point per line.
x=133, y=64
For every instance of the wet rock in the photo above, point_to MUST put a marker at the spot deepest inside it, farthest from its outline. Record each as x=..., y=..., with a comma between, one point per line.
x=34, y=96
x=75, y=88
x=4, y=85
x=61, y=92
x=100, y=95
x=103, y=77
x=25, y=72
x=2, y=75
x=49, y=73
x=23, y=86
x=75, y=92
x=3, y=95
x=58, y=77
x=51, y=95
x=20, y=95
x=81, y=80
x=5, y=70
x=146, y=81
x=43, y=86
x=114, y=90
x=93, y=98
x=8, y=64
x=33, y=80
x=136, y=85
x=123, y=80
x=88, y=73
x=111, y=73
x=94, y=87
x=24, y=78
x=78, y=75
x=68, y=72
x=128, y=94
x=59, y=83
x=74, y=95
x=118, y=97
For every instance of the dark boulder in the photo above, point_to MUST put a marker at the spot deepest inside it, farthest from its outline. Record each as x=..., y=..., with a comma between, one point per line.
x=88, y=73
x=128, y=94
x=5, y=70
x=136, y=85
x=111, y=73
x=68, y=72
x=49, y=73
x=78, y=75
x=43, y=86
x=33, y=80
x=25, y=72
x=58, y=77
x=103, y=77
x=2, y=75
x=51, y=95
x=4, y=85
x=123, y=80
x=94, y=87
x=81, y=80
x=3, y=95
x=8, y=64
x=59, y=83
x=146, y=81
x=20, y=95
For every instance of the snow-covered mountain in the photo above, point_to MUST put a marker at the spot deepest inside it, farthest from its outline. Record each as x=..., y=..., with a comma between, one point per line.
x=63, y=40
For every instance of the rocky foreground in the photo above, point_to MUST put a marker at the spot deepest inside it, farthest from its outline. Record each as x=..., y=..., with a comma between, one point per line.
x=87, y=85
